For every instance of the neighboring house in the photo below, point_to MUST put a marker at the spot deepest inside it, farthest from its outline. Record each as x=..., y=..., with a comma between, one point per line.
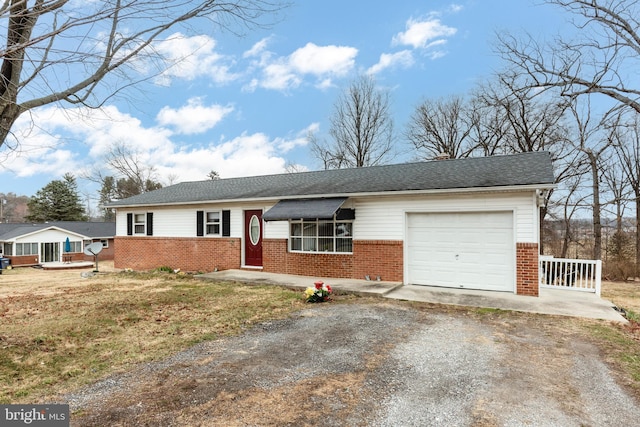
x=35, y=244
x=470, y=223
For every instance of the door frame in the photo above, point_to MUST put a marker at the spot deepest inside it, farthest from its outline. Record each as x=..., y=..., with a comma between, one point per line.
x=55, y=251
x=254, y=262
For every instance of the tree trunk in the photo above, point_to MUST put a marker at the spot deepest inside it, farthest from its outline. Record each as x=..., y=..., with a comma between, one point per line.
x=637, y=234
x=597, y=225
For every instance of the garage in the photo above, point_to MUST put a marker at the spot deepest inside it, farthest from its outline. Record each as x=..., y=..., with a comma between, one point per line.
x=472, y=250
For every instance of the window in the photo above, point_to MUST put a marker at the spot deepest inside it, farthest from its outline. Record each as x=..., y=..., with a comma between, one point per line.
x=213, y=223
x=75, y=246
x=26, y=249
x=105, y=243
x=321, y=236
x=138, y=224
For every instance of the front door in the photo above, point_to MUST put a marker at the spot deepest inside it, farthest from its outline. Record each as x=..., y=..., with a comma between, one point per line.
x=253, y=238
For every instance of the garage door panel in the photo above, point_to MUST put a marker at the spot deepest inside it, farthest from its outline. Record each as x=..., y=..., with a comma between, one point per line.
x=463, y=249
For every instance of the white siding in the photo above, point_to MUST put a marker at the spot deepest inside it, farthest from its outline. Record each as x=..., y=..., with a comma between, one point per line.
x=377, y=218
x=383, y=218
x=50, y=236
x=276, y=230
x=181, y=221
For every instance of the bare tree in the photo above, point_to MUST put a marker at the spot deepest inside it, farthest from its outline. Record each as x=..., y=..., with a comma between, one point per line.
x=595, y=140
x=627, y=147
x=361, y=128
x=532, y=121
x=602, y=58
x=441, y=127
x=126, y=174
x=83, y=53
x=488, y=127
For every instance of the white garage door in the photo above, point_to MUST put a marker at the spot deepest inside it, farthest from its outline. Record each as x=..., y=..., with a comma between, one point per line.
x=473, y=250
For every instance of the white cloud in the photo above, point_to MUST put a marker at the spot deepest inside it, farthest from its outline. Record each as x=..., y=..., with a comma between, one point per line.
x=89, y=134
x=421, y=34
x=193, y=57
x=322, y=60
x=257, y=49
x=287, y=72
x=245, y=155
x=402, y=59
x=194, y=117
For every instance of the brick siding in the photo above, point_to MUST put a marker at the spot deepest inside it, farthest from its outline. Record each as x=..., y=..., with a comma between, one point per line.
x=187, y=254
x=105, y=255
x=527, y=269
x=370, y=257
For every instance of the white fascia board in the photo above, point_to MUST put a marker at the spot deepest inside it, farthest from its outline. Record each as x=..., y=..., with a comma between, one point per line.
x=501, y=189
x=63, y=230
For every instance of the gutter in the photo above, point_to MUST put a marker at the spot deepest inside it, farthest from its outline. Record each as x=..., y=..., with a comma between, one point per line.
x=501, y=189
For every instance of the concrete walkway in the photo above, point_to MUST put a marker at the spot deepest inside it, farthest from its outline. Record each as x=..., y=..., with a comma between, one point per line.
x=551, y=301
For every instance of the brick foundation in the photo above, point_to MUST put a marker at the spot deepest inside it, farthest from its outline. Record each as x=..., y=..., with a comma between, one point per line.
x=370, y=257
x=527, y=269
x=187, y=254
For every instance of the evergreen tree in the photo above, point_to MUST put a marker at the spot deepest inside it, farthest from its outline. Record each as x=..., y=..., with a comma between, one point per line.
x=57, y=201
x=107, y=194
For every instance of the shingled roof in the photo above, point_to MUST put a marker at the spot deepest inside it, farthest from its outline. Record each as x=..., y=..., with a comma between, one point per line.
x=479, y=172
x=93, y=230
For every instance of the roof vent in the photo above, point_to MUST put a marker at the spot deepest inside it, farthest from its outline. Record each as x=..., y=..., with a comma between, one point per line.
x=442, y=156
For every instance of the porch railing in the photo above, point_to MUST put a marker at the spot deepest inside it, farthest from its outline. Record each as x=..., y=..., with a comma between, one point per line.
x=572, y=274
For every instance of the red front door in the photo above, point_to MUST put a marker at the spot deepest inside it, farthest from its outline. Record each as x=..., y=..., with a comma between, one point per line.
x=253, y=238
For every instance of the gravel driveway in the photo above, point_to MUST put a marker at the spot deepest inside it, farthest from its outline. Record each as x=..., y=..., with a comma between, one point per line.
x=380, y=364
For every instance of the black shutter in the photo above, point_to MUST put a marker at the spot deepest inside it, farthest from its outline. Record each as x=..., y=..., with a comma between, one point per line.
x=149, y=223
x=199, y=223
x=129, y=224
x=226, y=223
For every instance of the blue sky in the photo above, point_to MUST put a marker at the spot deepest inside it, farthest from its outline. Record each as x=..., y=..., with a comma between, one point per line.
x=243, y=105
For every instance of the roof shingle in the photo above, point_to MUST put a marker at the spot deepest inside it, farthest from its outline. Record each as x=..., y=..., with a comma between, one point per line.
x=477, y=172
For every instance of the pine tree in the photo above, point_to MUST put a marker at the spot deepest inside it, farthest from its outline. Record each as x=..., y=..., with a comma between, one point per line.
x=57, y=201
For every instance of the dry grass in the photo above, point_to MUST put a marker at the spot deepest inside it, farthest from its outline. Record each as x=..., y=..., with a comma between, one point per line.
x=71, y=331
x=625, y=295
x=59, y=331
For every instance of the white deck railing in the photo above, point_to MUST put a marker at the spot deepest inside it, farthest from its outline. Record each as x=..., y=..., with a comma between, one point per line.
x=573, y=274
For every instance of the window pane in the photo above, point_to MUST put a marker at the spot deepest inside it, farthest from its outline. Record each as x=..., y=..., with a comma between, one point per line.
x=213, y=216
x=296, y=229
x=325, y=229
x=213, y=229
x=343, y=229
x=139, y=229
x=310, y=229
x=309, y=244
x=344, y=245
x=18, y=248
x=326, y=245
x=254, y=230
x=34, y=249
x=139, y=218
x=296, y=244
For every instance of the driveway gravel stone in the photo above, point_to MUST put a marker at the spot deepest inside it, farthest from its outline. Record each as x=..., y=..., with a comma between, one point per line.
x=374, y=364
